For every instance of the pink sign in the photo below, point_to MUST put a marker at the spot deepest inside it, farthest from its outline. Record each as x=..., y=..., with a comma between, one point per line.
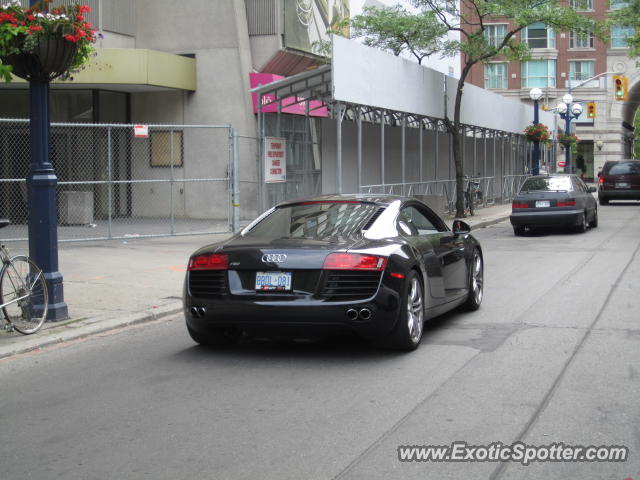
x=289, y=104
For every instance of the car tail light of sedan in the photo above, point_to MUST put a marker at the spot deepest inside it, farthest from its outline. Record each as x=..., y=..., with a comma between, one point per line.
x=601, y=180
x=519, y=205
x=209, y=261
x=567, y=203
x=354, y=261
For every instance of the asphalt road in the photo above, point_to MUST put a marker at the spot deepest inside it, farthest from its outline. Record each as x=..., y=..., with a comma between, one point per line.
x=552, y=356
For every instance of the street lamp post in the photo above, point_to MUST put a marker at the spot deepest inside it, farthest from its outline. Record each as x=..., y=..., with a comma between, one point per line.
x=42, y=182
x=567, y=111
x=535, y=94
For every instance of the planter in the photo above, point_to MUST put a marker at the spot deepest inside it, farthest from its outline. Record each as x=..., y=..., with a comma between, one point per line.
x=51, y=58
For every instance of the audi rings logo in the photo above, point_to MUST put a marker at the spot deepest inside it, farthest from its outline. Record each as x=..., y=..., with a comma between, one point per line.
x=274, y=257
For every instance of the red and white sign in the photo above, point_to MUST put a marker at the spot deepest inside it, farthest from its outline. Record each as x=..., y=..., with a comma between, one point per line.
x=141, y=131
x=562, y=163
x=275, y=160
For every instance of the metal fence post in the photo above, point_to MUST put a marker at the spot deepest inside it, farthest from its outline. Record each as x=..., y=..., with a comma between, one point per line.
x=171, y=182
x=110, y=182
x=235, y=181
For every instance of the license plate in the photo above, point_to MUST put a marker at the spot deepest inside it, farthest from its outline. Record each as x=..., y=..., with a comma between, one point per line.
x=622, y=185
x=543, y=203
x=273, y=281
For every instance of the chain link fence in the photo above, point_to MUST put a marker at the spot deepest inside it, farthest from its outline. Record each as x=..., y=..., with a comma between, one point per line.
x=117, y=182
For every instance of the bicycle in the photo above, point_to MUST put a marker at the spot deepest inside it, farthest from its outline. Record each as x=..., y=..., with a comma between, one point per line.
x=472, y=194
x=24, y=298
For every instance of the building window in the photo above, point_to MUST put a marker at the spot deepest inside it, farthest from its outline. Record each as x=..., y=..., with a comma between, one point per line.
x=538, y=35
x=539, y=73
x=619, y=35
x=581, y=70
x=494, y=34
x=581, y=4
x=617, y=4
x=495, y=75
x=580, y=40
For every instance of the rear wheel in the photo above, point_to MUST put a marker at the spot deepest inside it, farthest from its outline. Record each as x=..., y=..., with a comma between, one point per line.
x=594, y=223
x=582, y=224
x=408, y=331
x=476, y=282
x=216, y=336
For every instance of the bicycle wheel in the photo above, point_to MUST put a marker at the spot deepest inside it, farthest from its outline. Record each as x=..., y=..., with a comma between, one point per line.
x=24, y=291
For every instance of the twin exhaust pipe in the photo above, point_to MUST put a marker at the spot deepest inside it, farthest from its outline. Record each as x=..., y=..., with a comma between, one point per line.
x=362, y=314
x=198, y=311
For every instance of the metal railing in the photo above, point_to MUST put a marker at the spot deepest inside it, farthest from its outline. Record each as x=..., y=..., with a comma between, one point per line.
x=444, y=188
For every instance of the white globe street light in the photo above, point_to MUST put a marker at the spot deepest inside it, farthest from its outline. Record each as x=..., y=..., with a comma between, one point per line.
x=562, y=108
x=535, y=94
x=568, y=99
x=576, y=109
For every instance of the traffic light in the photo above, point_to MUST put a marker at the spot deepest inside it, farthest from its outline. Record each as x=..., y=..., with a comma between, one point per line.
x=591, y=110
x=620, y=87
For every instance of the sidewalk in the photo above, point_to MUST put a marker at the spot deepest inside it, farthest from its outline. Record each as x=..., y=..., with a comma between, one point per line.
x=117, y=283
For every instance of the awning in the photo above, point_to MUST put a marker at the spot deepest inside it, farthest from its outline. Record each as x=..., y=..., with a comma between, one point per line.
x=130, y=70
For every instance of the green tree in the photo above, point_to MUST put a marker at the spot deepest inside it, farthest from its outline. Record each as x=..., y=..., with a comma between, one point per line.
x=396, y=30
x=629, y=16
x=474, y=47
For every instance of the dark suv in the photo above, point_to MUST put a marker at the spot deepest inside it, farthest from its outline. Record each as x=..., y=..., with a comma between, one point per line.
x=619, y=180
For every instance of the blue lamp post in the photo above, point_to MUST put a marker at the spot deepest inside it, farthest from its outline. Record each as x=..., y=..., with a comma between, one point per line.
x=567, y=111
x=535, y=94
x=42, y=182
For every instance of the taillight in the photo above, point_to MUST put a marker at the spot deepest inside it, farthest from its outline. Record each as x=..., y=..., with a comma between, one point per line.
x=210, y=261
x=354, y=261
x=601, y=180
x=567, y=203
x=519, y=205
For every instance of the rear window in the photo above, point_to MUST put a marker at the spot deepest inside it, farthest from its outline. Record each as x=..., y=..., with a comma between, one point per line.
x=547, y=184
x=622, y=168
x=315, y=220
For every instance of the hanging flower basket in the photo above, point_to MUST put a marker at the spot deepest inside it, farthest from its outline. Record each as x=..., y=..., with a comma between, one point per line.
x=537, y=133
x=50, y=59
x=36, y=44
x=569, y=141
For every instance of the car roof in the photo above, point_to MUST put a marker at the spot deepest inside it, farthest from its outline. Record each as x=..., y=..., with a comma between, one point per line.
x=623, y=160
x=375, y=198
x=553, y=175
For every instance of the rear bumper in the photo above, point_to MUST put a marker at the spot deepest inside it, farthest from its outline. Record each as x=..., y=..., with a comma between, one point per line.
x=557, y=218
x=298, y=317
x=619, y=194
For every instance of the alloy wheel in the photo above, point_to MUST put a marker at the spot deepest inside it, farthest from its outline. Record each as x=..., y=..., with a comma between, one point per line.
x=415, y=310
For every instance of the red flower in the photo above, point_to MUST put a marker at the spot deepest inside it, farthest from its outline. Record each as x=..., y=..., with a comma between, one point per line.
x=71, y=38
x=80, y=18
x=31, y=18
x=35, y=28
x=56, y=11
x=85, y=8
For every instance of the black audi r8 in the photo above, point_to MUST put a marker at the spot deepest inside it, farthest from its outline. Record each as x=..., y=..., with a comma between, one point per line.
x=376, y=265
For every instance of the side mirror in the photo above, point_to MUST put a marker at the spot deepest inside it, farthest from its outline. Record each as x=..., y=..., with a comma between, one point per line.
x=593, y=189
x=460, y=228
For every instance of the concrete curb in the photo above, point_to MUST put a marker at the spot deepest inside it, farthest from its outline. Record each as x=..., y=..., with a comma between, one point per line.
x=491, y=221
x=86, y=328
